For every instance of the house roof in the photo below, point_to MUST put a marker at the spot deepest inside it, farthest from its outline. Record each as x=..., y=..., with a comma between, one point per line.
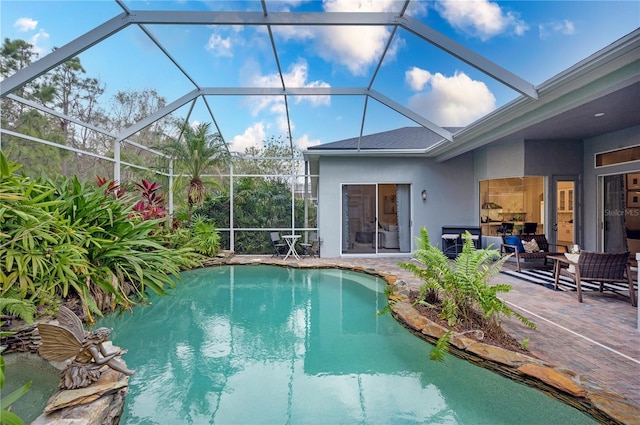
x=598, y=95
x=401, y=139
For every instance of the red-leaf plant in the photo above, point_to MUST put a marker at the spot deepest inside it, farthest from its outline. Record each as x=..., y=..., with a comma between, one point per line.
x=152, y=204
x=112, y=187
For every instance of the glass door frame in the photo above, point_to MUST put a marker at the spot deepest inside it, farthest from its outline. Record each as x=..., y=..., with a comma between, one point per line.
x=601, y=205
x=376, y=223
x=576, y=211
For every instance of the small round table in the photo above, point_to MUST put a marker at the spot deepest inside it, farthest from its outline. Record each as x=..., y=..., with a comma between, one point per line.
x=291, y=241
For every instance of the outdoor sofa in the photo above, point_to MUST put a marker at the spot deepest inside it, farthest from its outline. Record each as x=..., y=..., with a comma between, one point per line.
x=515, y=244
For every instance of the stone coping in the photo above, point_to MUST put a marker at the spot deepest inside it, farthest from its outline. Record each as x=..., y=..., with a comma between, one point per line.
x=104, y=403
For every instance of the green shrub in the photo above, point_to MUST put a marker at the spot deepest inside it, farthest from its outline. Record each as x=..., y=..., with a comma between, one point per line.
x=459, y=288
x=63, y=237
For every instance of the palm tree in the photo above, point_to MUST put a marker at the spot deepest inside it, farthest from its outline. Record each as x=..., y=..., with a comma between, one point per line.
x=196, y=149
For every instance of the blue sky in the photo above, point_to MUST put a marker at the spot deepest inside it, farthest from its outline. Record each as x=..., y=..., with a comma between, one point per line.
x=533, y=39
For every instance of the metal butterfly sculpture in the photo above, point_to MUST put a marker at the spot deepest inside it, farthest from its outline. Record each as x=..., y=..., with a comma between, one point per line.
x=69, y=339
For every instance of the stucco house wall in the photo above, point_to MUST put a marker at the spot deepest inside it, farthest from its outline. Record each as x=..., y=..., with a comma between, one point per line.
x=449, y=186
x=499, y=160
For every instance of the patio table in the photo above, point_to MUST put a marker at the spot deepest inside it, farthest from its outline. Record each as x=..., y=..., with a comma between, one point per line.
x=291, y=241
x=559, y=260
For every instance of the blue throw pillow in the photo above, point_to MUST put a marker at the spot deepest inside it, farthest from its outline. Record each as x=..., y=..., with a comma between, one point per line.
x=514, y=240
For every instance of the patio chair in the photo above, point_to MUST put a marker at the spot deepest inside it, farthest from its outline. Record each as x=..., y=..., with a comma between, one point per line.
x=309, y=248
x=529, y=228
x=279, y=246
x=505, y=229
x=602, y=267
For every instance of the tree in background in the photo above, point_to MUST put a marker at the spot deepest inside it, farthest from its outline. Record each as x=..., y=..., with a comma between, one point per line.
x=18, y=117
x=194, y=151
x=67, y=90
x=126, y=109
x=262, y=197
x=273, y=154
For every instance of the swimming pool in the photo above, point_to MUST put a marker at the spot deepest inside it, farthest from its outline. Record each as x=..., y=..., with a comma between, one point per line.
x=272, y=345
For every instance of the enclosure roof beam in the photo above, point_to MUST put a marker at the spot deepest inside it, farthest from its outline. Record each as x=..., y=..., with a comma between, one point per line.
x=470, y=57
x=63, y=54
x=260, y=18
x=160, y=113
x=419, y=119
x=278, y=91
x=55, y=113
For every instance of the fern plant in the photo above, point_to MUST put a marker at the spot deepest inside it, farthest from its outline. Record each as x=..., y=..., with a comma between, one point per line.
x=460, y=287
x=18, y=307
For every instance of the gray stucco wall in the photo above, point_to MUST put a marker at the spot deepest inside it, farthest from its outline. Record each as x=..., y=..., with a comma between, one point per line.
x=449, y=185
x=499, y=161
x=553, y=157
x=620, y=139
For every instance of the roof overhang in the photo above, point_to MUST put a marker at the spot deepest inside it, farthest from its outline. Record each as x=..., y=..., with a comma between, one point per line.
x=395, y=153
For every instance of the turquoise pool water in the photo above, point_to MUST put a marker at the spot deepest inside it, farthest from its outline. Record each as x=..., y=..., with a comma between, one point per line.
x=271, y=345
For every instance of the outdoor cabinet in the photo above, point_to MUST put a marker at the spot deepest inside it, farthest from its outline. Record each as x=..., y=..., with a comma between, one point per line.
x=452, y=239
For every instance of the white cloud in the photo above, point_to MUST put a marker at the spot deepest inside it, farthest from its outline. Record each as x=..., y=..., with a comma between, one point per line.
x=304, y=142
x=480, y=18
x=252, y=136
x=295, y=77
x=355, y=47
x=417, y=78
x=220, y=46
x=38, y=40
x=453, y=101
x=25, y=24
x=564, y=27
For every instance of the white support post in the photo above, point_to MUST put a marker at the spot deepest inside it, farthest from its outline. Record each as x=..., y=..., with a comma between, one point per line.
x=171, y=188
x=293, y=197
x=116, y=163
x=231, y=232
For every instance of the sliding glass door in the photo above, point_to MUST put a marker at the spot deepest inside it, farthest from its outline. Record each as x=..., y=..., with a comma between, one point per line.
x=621, y=213
x=376, y=218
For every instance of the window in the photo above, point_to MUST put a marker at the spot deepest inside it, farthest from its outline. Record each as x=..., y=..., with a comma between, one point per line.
x=516, y=200
x=618, y=156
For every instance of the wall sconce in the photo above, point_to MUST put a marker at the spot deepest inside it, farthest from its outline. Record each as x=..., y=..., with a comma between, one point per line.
x=424, y=195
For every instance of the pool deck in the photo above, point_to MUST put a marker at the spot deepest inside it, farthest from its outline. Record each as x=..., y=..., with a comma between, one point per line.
x=597, y=339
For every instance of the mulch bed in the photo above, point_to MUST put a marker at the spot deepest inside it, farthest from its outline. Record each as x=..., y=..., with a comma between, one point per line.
x=493, y=335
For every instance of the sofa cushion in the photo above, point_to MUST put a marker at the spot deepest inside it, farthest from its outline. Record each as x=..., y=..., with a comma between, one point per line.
x=514, y=240
x=541, y=240
x=531, y=246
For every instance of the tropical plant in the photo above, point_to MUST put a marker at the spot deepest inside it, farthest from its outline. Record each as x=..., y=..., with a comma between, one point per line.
x=18, y=307
x=205, y=237
x=124, y=254
x=151, y=206
x=202, y=236
x=459, y=288
x=194, y=151
x=63, y=238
